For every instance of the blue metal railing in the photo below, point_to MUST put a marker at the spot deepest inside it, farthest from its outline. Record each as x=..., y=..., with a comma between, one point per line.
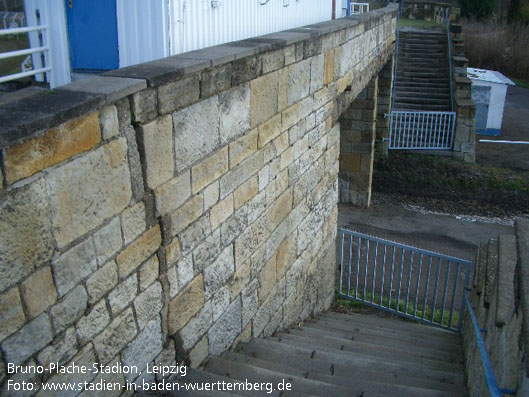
x=490, y=377
x=390, y=276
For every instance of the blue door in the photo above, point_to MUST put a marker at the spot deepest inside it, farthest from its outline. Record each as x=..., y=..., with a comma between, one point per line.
x=93, y=35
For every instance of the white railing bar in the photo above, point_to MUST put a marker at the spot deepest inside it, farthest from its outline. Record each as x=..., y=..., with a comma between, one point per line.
x=14, y=54
x=24, y=74
x=507, y=142
x=4, y=32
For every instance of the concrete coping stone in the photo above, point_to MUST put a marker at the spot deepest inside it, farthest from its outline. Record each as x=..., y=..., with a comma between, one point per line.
x=23, y=119
x=521, y=229
x=506, y=269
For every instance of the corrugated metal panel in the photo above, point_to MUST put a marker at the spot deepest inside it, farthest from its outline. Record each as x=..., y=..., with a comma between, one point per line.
x=197, y=24
x=142, y=31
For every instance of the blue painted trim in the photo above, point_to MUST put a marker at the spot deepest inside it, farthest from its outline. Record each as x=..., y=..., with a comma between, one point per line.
x=489, y=132
x=490, y=378
x=348, y=11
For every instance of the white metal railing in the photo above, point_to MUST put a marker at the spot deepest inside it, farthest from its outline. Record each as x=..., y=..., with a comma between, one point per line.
x=10, y=19
x=358, y=8
x=421, y=130
x=43, y=48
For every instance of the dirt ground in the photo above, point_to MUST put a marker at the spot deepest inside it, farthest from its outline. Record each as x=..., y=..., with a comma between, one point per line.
x=515, y=126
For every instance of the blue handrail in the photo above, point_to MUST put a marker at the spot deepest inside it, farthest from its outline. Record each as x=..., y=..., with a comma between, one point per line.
x=490, y=377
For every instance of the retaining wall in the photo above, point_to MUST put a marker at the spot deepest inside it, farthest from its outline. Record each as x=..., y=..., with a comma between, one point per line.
x=165, y=211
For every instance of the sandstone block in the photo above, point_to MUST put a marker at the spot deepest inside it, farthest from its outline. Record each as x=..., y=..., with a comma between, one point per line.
x=250, y=302
x=219, y=302
x=234, y=113
x=317, y=67
x=100, y=180
x=144, y=348
x=196, y=327
x=236, y=176
x=207, y=251
x=273, y=61
x=217, y=274
x=156, y=142
x=240, y=279
x=189, y=146
x=16, y=348
x=173, y=194
x=185, y=270
x=149, y=272
x=269, y=130
x=186, y=305
x=139, y=251
x=144, y=105
x=108, y=122
x=221, y=211
x=298, y=83
x=263, y=98
x=172, y=279
x=245, y=192
x=195, y=233
x=123, y=294
x=93, y=323
x=199, y=353
x=148, y=305
x=61, y=350
x=186, y=214
x=115, y=336
x=69, y=309
x=286, y=255
x=39, y=292
x=329, y=67
x=102, y=281
x=243, y=148
x=172, y=252
x=74, y=265
x=211, y=195
x=209, y=170
x=234, y=226
x=178, y=94
x=108, y=241
x=25, y=232
x=267, y=278
x=56, y=145
x=11, y=313
x=216, y=80
x=292, y=115
x=222, y=334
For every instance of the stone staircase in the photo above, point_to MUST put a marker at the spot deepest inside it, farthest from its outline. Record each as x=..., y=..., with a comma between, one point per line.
x=423, y=78
x=344, y=355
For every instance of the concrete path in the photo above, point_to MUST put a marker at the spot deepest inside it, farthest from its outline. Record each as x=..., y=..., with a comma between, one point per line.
x=447, y=234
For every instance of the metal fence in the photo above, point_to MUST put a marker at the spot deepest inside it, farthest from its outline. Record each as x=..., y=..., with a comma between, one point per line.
x=421, y=285
x=421, y=130
x=358, y=8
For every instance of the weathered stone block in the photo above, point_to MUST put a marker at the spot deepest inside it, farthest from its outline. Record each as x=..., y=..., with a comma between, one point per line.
x=245, y=192
x=269, y=130
x=195, y=233
x=211, y=195
x=185, y=270
x=250, y=301
x=273, y=61
x=216, y=80
x=115, y=337
x=93, y=323
x=209, y=170
x=221, y=211
x=144, y=348
x=329, y=67
x=240, y=280
x=217, y=274
x=199, y=353
x=298, y=82
x=144, y=105
x=108, y=122
x=173, y=194
x=61, y=350
x=234, y=226
x=196, y=327
x=222, y=334
x=236, y=176
x=263, y=98
x=156, y=143
x=295, y=113
x=56, y=145
x=123, y=294
x=286, y=255
x=69, y=309
x=25, y=232
x=138, y=252
x=267, y=279
x=219, y=302
x=242, y=148
x=148, y=305
x=186, y=305
x=178, y=94
x=102, y=281
x=11, y=313
x=186, y=214
x=234, y=113
x=108, y=241
x=246, y=69
x=39, y=292
x=100, y=181
x=16, y=348
x=74, y=265
x=149, y=272
x=317, y=69
x=190, y=146
x=207, y=251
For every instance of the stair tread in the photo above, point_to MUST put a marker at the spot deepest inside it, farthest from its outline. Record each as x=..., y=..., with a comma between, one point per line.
x=194, y=377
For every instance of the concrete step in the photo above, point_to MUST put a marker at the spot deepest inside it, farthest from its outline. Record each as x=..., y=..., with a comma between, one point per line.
x=424, y=80
x=433, y=108
x=196, y=378
x=361, y=362
x=423, y=95
x=242, y=371
x=421, y=56
x=440, y=69
x=418, y=88
x=386, y=353
x=422, y=101
x=402, y=74
x=423, y=41
x=269, y=357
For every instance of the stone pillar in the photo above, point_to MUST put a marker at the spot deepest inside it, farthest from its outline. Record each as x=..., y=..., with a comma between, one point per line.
x=357, y=147
x=385, y=91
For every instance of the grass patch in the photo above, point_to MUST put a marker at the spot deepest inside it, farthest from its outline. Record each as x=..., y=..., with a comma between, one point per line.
x=346, y=305
x=12, y=43
x=522, y=83
x=419, y=24
x=472, y=188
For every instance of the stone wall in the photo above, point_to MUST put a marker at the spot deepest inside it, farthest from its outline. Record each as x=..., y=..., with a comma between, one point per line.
x=165, y=211
x=500, y=299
